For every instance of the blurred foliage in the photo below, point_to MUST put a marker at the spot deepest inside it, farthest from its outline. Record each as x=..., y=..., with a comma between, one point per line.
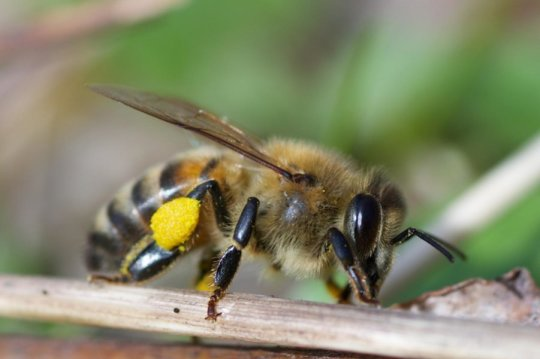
x=509, y=242
x=401, y=85
x=239, y=59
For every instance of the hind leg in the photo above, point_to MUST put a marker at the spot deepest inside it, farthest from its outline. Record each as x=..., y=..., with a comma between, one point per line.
x=123, y=275
x=145, y=260
x=228, y=263
x=149, y=257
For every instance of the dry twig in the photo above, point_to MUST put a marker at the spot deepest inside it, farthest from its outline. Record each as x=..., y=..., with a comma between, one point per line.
x=265, y=320
x=511, y=298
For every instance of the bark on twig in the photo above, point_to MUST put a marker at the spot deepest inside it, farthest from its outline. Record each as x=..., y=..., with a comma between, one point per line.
x=265, y=320
x=512, y=298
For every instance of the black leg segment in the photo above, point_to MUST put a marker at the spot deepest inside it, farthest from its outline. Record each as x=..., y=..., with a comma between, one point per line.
x=222, y=214
x=341, y=247
x=150, y=261
x=357, y=276
x=230, y=260
x=227, y=266
x=244, y=227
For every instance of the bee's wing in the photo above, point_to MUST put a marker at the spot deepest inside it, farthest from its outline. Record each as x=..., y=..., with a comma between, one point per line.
x=192, y=118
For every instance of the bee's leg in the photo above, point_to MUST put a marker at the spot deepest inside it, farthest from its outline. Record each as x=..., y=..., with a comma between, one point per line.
x=144, y=261
x=223, y=218
x=229, y=261
x=340, y=294
x=358, y=280
x=150, y=257
x=204, y=279
x=123, y=275
x=146, y=258
x=150, y=261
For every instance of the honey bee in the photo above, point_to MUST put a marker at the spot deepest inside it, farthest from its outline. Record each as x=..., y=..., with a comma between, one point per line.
x=305, y=209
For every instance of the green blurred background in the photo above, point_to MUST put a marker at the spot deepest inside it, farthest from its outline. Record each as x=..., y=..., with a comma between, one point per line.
x=437, y=92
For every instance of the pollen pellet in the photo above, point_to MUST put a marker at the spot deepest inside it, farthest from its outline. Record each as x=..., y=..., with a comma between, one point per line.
x=174, y=222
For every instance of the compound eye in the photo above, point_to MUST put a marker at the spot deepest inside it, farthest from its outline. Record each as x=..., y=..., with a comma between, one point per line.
x=363, y=221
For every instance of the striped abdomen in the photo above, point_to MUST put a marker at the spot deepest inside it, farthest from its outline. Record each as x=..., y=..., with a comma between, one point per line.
x=125, y=220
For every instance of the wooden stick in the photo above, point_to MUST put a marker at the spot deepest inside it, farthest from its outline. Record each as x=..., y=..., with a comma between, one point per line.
x=264, y=319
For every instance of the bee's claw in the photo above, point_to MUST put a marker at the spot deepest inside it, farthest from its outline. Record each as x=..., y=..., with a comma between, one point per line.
x=211, y=312
x=212, y=317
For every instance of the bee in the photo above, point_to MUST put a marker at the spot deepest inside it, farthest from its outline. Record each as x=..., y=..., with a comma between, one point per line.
x=305, y=209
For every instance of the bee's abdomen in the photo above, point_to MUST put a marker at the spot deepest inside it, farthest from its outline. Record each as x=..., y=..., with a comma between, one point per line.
x=126, y=219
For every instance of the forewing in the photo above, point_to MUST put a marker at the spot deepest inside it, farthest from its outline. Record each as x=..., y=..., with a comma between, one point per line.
x=192, y=118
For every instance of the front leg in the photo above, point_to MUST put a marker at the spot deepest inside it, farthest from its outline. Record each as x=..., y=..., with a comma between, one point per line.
x=229, y=261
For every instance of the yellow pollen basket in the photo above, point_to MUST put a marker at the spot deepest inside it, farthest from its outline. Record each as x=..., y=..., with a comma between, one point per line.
x=174, y=222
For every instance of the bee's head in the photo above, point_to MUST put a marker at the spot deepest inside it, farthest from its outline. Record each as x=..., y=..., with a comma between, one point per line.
x=365, y=251
x=363, y=225
x=356, y=247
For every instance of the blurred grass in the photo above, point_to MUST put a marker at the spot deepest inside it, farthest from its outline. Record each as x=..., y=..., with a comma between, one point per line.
x=376, y=91
x=389, y=84
x=240, y=58
x=14, y=257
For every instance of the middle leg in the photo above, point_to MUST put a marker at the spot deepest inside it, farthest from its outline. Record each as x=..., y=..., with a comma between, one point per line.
x=229, y=261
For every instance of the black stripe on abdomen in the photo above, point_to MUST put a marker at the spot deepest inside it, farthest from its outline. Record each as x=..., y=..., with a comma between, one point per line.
x=129, y=228
x=169, y=185
x=104, y=252
x=106, y=242
x=144, y=199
